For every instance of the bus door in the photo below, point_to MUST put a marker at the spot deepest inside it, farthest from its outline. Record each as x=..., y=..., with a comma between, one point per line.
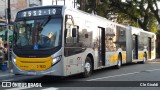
x=101, y=48
x=149, y=48
x=135, y=46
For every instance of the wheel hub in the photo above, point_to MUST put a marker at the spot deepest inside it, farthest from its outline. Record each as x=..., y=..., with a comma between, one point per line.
x=88, y=67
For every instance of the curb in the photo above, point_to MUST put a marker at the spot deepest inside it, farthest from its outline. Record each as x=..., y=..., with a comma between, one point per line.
x=6, y=73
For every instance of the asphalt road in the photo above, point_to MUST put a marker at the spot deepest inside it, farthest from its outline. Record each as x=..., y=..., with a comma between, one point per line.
x=129, y=77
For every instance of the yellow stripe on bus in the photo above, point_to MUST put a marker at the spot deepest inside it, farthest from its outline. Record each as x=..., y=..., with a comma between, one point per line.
x=38, y=64
x=114, y=58
x=141, y=55
x=152, y=54
x=123, y=57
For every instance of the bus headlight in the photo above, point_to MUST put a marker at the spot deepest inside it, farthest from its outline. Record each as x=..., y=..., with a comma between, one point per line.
x=57, y=59
x=14, y=60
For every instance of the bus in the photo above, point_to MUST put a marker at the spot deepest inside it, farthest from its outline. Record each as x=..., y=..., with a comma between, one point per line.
x=62, y=41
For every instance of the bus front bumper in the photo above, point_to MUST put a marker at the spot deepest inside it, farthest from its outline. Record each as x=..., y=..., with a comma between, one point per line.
x=55, y=70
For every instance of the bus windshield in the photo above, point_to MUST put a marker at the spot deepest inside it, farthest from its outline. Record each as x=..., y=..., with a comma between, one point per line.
x=37, y=34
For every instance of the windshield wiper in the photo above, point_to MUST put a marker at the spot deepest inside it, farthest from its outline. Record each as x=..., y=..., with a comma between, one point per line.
x=46, y=21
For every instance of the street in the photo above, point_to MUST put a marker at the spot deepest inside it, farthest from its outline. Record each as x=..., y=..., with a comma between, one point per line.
x=127, y=75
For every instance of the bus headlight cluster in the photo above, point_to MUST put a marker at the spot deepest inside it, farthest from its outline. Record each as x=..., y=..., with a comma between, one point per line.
x=55, y=60
x=14, y=60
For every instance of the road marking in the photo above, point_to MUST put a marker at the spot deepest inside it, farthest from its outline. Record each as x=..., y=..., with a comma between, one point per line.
x=113, y=76
x=52, y=88
x=122, y=75
x=19, y=88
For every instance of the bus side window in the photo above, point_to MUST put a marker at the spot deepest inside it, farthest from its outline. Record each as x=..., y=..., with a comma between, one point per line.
x=75, y=34
x=69, y=34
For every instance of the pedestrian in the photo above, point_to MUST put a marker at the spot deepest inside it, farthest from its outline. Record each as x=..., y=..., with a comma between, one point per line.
x=1, y=51
x=22, y=41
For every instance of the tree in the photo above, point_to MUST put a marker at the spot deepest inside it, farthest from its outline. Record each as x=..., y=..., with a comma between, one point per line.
x=136, y=10
x=154, y=8
x=158, y=43
x=83, y=4
x=152, y=24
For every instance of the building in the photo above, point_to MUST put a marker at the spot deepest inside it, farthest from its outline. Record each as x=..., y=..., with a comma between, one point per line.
x=32, y=3
x=17, y=5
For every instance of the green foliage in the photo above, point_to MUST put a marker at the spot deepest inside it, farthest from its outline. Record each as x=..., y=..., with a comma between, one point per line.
x=152, y=24
x=3, y=38
x=158, y=43
x=124, y=17
x=134, y=10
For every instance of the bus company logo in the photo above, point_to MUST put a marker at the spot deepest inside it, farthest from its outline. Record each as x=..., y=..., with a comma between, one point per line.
x=6, y=84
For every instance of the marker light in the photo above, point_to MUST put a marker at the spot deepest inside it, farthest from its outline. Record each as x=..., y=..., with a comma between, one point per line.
x=55, y=60
x=14, y=60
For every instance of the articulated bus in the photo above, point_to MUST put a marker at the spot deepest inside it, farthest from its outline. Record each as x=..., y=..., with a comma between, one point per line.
x=62, y=41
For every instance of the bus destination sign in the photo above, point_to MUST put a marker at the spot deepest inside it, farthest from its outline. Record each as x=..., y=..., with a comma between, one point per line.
x=39, y=12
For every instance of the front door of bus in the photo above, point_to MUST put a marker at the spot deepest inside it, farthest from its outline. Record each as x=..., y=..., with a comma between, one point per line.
x=135, y=46
x=101, y=48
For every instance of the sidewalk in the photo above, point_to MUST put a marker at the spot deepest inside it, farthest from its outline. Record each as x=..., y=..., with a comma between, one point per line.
x=155, y=60
x=6, y=73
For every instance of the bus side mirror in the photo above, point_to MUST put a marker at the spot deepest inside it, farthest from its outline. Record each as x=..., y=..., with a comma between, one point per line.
x=74, y=32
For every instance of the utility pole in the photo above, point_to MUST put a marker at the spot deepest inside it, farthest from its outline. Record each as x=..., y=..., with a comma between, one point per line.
x=8, y=17
x=64, y=2
x=9, y=12
x=74, y=3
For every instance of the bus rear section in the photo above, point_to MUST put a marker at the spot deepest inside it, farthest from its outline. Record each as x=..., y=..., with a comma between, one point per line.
x=143, y=45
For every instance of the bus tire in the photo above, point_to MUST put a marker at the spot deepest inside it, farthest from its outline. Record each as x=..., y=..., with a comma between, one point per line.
x=119, y=63
x=87, y=68
x=144, y=58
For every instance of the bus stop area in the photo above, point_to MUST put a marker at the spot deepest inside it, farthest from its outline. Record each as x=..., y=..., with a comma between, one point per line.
x=4, y=62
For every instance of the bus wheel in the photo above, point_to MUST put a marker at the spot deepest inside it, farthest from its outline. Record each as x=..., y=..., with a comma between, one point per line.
x=119, y=63
x=144, y=58
x=87, y=67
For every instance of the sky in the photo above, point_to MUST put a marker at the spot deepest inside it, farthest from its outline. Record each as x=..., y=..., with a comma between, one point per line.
x=69, y=3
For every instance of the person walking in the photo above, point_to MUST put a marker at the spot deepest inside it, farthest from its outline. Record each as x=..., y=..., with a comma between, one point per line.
x=1, y=51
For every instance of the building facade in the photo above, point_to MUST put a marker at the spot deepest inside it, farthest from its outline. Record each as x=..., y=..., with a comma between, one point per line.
x=17, y=5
